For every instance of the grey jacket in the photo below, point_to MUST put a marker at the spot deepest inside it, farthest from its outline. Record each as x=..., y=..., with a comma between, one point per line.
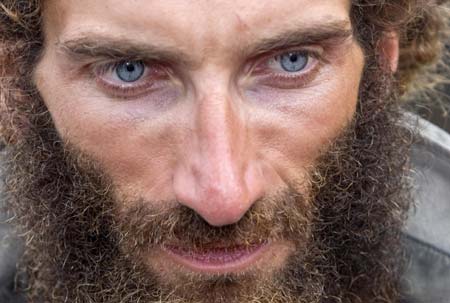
x=427, y=233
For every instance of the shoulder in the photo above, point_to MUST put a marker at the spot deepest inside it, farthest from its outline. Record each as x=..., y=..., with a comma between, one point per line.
x=9, y=251
x=427, y=232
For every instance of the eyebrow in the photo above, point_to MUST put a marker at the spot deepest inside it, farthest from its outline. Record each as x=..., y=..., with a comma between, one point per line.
x=95, y=46
x=92, y=45
x=334, y=31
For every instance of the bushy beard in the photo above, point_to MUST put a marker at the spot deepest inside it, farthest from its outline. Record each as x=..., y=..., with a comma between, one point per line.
x=82, y=246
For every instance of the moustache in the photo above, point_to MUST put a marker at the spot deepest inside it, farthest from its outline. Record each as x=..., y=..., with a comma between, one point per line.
x=285, y=214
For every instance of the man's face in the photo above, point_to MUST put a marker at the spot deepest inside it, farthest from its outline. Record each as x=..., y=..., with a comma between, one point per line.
x=209, y=118
x=236, y=99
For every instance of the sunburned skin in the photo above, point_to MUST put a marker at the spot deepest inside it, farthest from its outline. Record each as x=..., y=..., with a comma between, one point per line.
x=216, y=122
x=221, y=143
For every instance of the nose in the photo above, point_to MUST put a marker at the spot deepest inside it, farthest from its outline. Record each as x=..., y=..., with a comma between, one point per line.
x=220, y=176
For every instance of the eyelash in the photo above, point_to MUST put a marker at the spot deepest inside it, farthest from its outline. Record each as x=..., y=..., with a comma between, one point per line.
x=144, y=85
x=288, y=80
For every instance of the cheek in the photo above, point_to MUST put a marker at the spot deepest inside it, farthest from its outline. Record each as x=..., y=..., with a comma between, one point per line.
x=136, y=151
x=294, y=133
x=139, y=156
x=135, y=142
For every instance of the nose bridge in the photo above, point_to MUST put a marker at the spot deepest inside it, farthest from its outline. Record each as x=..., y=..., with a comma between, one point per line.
x=221, y=166
x=219, y=129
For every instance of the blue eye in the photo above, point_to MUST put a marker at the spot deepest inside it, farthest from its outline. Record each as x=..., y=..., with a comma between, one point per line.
x=293, y=62
x=130, y=71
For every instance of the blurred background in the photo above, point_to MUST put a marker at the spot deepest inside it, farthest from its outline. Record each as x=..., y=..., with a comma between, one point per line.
x=435, y=105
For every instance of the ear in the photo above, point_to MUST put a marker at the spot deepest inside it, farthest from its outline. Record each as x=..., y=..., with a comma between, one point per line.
x=388, y=48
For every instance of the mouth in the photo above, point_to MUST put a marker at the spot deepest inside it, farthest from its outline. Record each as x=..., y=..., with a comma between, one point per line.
x=218, y=259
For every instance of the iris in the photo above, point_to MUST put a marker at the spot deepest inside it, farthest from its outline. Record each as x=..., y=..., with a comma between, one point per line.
x=130, y=71
x=293, y=62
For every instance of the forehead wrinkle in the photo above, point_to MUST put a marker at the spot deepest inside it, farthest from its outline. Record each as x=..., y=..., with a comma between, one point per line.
x=234, y=43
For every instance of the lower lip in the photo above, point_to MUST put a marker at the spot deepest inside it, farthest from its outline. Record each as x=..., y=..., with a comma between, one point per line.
x=218, y=260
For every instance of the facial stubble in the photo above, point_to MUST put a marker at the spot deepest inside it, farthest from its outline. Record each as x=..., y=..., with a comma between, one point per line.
x=81, y=246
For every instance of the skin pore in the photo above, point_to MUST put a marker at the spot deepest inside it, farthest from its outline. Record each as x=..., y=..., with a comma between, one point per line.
x=215, y=150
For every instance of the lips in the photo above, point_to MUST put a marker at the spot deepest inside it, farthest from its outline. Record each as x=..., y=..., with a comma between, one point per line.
x=218, y=258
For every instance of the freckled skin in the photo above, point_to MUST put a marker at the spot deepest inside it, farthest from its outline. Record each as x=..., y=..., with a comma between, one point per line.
x=215, y=145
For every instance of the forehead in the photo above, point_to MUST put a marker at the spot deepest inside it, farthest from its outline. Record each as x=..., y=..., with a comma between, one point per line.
x=190, y=24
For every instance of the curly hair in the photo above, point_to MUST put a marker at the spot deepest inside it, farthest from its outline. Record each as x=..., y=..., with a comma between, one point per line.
x=418, y=23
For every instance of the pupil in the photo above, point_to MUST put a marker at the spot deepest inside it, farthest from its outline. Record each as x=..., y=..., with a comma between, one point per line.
x=294, y=57
x=130, y=67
